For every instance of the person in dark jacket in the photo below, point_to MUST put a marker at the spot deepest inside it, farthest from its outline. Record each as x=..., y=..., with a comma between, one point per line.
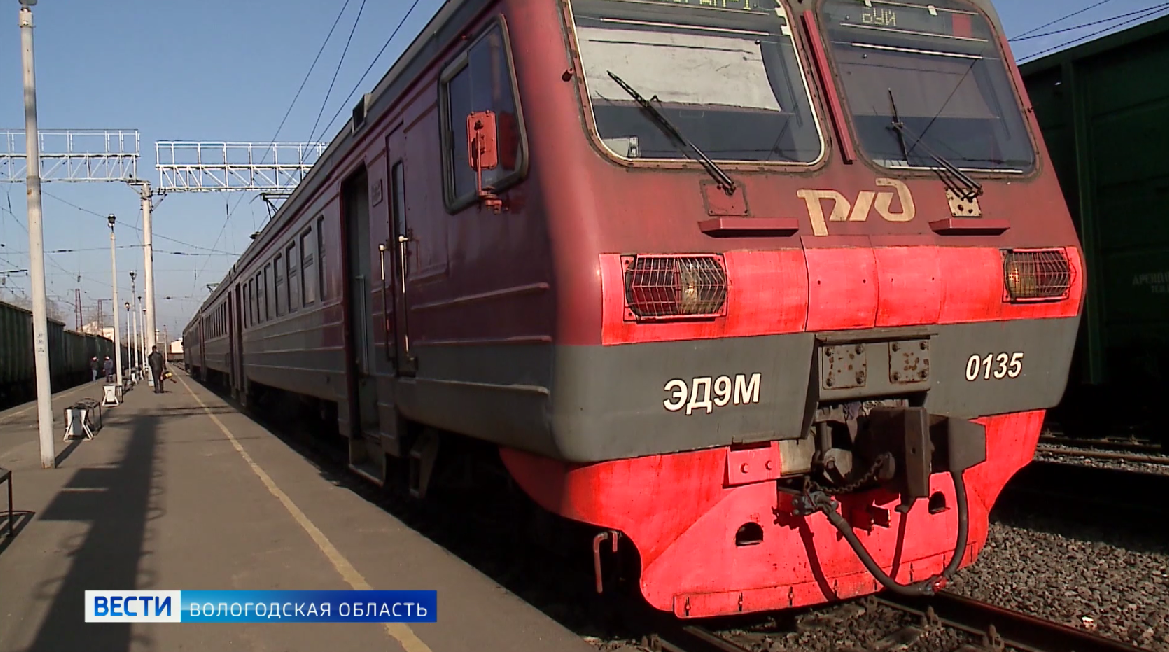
x=109, y=369
x=157, y=363
x=93, y=366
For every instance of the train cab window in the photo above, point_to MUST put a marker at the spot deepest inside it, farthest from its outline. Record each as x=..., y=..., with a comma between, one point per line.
x=937, y=67
x=480, y=79
x=727, y=79
x=281, y=296
x=307, y=280
x=293, y=277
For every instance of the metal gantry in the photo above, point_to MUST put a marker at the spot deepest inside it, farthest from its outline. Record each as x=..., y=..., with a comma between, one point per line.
x=72, y=155
x=197, y=166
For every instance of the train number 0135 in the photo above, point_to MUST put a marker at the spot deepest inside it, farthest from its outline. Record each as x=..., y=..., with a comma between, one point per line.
x=994, y=365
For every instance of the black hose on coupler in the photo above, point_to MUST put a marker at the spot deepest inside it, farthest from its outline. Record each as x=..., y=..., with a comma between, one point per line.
x=925, y=587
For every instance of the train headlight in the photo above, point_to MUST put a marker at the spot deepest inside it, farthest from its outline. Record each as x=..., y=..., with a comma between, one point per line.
x=1036, y=275
x=674, y=287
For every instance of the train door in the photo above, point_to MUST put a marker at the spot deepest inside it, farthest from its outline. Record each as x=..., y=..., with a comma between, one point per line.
x=237, y=346
x=400, y=239
x=364, y=431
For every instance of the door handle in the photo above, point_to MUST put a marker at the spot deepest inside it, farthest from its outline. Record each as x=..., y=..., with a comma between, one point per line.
x=381, y=254
x=402, y=240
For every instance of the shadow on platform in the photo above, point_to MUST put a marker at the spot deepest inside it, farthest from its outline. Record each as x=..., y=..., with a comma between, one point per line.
x=117, y=502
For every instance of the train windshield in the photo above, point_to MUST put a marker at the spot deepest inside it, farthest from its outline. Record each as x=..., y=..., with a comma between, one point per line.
x=726, y=77
x=936, y=70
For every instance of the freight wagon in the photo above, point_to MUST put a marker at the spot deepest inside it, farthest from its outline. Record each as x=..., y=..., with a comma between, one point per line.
x=69, y=355
x=1103, y=108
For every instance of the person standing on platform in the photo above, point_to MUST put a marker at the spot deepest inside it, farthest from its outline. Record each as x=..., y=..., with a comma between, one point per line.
x=93, y=366
x=156, y=367
x=109, y=369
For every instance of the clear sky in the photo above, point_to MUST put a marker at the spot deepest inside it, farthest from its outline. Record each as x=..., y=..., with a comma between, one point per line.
x=227, y=70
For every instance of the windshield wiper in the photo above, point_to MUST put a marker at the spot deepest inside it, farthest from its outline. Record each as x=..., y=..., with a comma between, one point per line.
x=724, y=181
x=952, y=177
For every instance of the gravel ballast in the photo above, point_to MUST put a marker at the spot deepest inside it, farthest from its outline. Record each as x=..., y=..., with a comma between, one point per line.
x=1097, y=579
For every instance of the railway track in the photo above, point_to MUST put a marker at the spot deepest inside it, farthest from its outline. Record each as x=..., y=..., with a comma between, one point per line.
x=1107, y=449
x=972, y=625
x=1118, y=456
x=963, y=625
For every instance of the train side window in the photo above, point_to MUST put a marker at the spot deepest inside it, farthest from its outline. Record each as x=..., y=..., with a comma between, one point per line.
x=293, y=262
x=324, y=289
x=252, y=301
x=267, y=291
x=262, y=290
x=281, y=306
x=307, y=280
x=480, y=79
x=247, y=301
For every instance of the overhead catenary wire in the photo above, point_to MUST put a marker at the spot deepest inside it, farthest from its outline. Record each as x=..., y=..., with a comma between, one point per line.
x=1062, y=18
x=332, y=120
x=373, y=63
x=340, y=62
x=283, y=120
x=1092, y=23
x=1149, y=13
x=139, y=228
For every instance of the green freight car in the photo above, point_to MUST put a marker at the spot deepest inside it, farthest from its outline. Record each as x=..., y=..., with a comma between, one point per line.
x=1103, y=108
x=69, y=355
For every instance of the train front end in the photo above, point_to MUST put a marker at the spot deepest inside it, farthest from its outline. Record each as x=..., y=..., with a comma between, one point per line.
x=816, y=288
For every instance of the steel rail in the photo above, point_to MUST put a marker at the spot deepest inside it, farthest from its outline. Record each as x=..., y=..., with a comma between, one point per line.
x=1103, y=454
x=1104, y=443
x=1013, y=628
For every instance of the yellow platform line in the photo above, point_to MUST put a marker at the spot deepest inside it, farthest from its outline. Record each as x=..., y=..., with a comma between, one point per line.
x=399, y=631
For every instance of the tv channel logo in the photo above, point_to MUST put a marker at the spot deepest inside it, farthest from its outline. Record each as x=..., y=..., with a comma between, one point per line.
x=133, y=606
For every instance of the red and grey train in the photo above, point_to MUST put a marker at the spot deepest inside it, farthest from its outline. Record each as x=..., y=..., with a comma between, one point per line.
x=776, y=292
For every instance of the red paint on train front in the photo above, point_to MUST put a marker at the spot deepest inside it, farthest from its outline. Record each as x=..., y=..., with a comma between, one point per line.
x=683, y=519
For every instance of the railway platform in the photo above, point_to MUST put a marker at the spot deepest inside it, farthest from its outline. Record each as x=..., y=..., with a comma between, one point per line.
x=181, y=491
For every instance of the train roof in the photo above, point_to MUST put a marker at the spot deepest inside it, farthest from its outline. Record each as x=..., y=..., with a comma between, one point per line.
x=443, y=27
x=50, y=320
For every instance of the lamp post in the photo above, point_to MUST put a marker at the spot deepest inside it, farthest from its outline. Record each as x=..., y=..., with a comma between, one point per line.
x=132, y=330
x=141, y=316
x=117, y=333
x=129, y=344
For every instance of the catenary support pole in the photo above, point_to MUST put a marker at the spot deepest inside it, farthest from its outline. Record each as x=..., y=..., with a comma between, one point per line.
x=148, y=248
x=36, y=243
x=117, y=334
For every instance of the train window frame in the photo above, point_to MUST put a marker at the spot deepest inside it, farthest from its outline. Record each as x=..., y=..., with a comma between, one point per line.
x=292, y=273
x=450, y=158
x=1017, y=102
x=268, y=291
x=279, y=284
x=307, y=270
x=322, y=288
x=259, y=281
x=808, y=81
